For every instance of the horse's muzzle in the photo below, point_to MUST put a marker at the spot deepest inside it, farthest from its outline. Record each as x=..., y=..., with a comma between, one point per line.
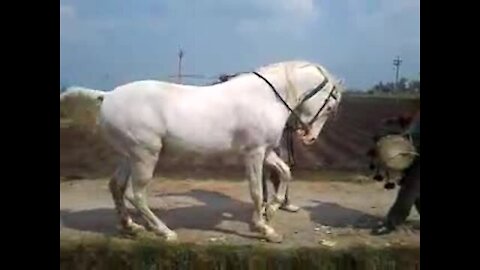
x=308, y=140
x=305, y=136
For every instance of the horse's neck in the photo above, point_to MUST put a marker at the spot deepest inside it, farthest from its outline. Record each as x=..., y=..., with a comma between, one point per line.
x=285, y=87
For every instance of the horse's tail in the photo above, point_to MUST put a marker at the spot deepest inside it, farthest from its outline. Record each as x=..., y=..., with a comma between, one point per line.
x=90, y=93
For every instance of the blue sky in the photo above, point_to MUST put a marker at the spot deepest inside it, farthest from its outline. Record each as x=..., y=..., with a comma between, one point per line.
x=104, y=43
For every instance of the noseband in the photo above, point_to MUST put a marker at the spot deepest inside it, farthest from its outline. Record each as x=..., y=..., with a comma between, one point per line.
x=305, y=126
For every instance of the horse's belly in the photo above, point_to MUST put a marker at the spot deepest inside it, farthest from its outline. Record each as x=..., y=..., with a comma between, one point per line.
x=197, y=144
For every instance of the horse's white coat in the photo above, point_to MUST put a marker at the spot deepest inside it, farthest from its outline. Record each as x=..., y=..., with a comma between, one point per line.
x=241, y=116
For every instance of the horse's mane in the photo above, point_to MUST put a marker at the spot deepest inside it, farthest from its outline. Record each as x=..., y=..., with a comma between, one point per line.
x=279, y=67
x=275, y=67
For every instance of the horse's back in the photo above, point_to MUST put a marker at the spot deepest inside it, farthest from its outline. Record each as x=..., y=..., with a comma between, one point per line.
x=144, y=87
x=135, y=106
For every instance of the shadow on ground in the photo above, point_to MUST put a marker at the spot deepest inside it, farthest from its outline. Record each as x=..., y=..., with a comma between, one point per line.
x=206, y=216
x=214, y=209
x=337, y=216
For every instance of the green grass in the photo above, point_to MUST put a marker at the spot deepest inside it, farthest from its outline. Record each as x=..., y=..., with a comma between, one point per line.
x=101, y=252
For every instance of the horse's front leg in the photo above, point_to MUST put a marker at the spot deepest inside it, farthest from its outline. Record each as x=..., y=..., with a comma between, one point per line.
x=254, y=164
x=274, y=161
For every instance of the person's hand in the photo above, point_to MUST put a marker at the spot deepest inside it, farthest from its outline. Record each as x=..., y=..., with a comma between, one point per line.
x=404, y=121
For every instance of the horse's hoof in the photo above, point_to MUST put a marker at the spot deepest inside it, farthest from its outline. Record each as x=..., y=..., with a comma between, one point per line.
x=131, y=229
x=257, y=227
x=274, y=237
x=171, y=237
x=136, y=228
x=290, y=208
x=167, y=235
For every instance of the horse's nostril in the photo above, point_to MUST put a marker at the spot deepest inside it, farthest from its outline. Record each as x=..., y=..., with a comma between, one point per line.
x=378, y=177
x=309, y=141
x=389, y=186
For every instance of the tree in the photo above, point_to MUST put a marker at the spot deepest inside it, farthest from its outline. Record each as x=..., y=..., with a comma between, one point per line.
x=415, y=86
x=402, y=84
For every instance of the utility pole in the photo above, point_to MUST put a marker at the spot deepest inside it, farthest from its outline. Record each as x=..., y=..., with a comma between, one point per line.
x=397, y=62
x=179, y=74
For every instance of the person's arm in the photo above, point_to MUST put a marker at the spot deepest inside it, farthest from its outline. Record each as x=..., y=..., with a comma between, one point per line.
x=414, y=130
x=402, y=121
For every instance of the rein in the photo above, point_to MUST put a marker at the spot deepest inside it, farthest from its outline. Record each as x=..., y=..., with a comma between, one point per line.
x=305, y=126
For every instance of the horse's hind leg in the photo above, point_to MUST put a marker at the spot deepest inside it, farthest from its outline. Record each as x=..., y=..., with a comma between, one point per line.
x=275, y=162
x=254, y=166
x=143, y=167
x=117, y=185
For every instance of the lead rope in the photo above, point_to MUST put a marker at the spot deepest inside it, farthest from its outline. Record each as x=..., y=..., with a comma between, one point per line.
x=290, y=152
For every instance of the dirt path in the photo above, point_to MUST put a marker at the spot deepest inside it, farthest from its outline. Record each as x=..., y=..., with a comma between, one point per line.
x=213, y=211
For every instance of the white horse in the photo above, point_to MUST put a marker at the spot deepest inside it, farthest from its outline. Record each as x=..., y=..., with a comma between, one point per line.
x=243, y=116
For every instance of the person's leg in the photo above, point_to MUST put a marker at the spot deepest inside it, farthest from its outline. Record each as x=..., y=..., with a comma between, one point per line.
x=407, y=196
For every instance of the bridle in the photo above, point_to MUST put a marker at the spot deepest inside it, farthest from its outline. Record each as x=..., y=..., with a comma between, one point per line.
x=305, y=126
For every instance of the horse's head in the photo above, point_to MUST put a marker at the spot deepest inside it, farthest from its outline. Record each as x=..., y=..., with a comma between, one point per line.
x=319, y=97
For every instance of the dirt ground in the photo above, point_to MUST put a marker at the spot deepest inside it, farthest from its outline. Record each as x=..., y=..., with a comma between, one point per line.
x=202, y=210
x=334, y=213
